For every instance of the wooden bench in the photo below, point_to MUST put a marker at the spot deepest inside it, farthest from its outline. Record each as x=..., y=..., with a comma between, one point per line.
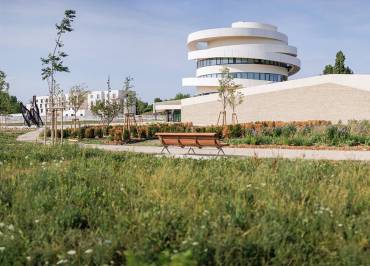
x=191, y=140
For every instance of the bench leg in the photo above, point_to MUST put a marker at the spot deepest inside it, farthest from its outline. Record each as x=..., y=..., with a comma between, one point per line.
x=220, y=150
x=191, y=149
x=165, y=148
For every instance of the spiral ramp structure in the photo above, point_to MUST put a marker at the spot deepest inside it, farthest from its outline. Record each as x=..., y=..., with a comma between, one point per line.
x=255, y=54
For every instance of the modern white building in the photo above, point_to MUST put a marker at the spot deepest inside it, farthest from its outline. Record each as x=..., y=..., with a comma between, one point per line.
x=255, y=54
x=260, y=60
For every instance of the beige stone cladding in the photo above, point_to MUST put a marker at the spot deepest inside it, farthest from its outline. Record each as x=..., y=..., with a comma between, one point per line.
x=326, y=101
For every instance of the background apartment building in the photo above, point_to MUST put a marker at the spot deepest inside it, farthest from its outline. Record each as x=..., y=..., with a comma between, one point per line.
x=84, y=112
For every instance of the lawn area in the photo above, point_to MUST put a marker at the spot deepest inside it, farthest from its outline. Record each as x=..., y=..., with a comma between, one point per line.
x=73, y=206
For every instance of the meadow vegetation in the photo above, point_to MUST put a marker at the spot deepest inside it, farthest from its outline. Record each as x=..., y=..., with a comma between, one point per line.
x=73, y=206
x=306, y=133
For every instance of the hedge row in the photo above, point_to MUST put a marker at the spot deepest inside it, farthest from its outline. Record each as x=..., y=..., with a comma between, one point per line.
x=265, y=132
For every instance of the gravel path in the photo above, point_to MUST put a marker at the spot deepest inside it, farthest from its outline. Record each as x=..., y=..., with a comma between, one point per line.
x=207, y=153
x=246, y=152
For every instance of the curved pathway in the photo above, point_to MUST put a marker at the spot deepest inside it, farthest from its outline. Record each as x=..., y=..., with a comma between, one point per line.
x=207, y=153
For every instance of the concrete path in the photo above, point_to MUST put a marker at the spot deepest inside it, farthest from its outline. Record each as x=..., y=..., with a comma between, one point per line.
x=32, y=136
x=208, y=153
x=245, y=152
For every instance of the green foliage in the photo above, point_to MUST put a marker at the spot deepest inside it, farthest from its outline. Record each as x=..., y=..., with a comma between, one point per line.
x=180, y=96
x=143, y=107
x=106, y=110
x=89, y=207
x=339, y=66
x=54, y=61
x=8, y=104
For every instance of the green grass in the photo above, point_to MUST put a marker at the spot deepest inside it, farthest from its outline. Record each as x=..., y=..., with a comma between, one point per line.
x=89, y=207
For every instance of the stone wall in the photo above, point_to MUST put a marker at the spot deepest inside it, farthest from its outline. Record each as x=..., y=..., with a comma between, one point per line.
x=321, y=102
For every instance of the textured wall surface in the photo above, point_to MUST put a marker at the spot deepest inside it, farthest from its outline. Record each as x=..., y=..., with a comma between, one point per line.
x=321, y=102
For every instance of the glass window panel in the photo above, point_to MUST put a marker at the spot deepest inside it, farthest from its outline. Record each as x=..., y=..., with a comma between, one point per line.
x=262, y=76
x=244, y=61
x=250, y=75
x=238, y=61
x=218, y=61
x=224, y=61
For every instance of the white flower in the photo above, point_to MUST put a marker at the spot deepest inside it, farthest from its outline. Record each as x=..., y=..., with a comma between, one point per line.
x=340, y=225
x=195, y=243
x=263, y=184
x=107, y=241
x=2, y=249
x=1, y=163
x=62, y=262
x=43, y=163
x=11, y=227
x=2, y=224
x=71, y=252
x=249, y=185
x=37, y=221
x=88, y=251
x=28, y=258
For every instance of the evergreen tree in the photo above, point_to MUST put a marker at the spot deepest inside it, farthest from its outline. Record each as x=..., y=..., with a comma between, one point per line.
x=339, y=66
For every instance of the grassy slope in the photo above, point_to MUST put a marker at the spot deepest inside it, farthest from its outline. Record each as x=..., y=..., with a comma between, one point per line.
x=225, y=212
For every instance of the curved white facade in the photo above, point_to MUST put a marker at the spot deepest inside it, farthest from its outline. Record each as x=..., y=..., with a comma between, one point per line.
x=255, y=53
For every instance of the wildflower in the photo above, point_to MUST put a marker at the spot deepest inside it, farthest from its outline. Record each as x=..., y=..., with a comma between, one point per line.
x=340, y=225
x=2, y=224
x=62, y=262
x=2, y=249
x=195, y=243
x=249, y=185
x=28, y=258
x=37, y=221
x=184, y=242
x=263, y=184
x=107, y=241
x=26, y=157
x=1, y=163
x=11, y=227
x=88, y=251
x=71, y=252
x=43, y=163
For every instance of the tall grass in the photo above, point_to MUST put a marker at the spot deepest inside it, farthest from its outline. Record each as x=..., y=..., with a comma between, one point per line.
x=88, y=207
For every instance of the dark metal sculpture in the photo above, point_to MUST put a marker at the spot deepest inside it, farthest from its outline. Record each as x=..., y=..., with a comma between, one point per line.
x=32, y=116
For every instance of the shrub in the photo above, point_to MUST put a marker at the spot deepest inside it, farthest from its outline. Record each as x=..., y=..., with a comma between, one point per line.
x=89, y=133
x=289, y=130
x=98, y=132
x=126, y=135
x=81, y=132
x=235, y=131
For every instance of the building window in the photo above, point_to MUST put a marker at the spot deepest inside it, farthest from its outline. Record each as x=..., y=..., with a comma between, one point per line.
x=234, y=60
x=250, y=75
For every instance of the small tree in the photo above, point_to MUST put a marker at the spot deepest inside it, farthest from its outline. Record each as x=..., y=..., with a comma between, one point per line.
x=4, y=86
x=106, y=110
x=226, y=89
x=235, y=98
x=53, y=63
x=339, y=66
x=76, y=98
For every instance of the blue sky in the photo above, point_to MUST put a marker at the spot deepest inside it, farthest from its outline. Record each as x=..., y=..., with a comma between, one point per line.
x=147, y=39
